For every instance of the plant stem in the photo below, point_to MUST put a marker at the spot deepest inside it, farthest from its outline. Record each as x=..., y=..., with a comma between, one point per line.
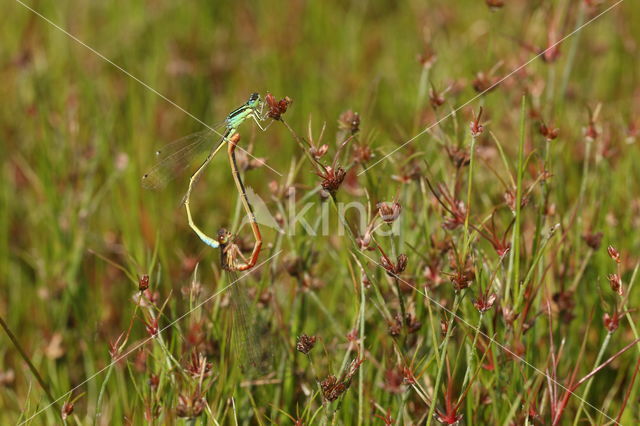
x=466, y=219
x=32, y=367
x=516, y=232
x=605, y=343
x=441, y=361
x=103, y=388
x=572, y=53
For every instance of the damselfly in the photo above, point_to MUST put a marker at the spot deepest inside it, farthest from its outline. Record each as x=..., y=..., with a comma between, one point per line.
x=176, y=156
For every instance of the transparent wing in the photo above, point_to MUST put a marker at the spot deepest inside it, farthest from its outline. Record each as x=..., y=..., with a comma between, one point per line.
x=251, y=335
x=174, y=158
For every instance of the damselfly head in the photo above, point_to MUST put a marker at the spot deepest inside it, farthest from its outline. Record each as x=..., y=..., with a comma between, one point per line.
x=254, y=100
x=224, y=237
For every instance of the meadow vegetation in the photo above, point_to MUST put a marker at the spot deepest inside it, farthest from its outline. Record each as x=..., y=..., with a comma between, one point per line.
x=454, y=246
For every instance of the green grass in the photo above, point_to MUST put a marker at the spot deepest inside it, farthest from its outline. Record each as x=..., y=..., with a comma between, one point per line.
x=77, y=230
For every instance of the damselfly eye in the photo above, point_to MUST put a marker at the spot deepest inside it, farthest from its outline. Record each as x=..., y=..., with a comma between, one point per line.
x=254, y=97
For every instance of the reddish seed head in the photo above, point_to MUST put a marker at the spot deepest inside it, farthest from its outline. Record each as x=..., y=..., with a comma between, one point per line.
x=593, y=240
x=143, y=282
x=427, y=58
x=154, y=381
x=67, y=410
x=412, y=323
x=389, y=212
x=484, y=303
x=475, y=126
x=152, y=327
x=591, y=131
x=114, y=347
x=614, y=254
x=349, y=121
x=463, y=279
x=510, y=200
x=552, y=52
x=277, y=108
x=387, y=419
x=615, y=283
x=401, y=264
x=409, y=377
x=444, y=327
x=395, y=327
x=611, y=323
x=501, y=248
x=448, y=419
x=364, y=242
x=396, y=269
x=190, y=406
x=197, y=366
x=319, y=152
x=331, y=388
x=362, y=153
x=436, y=98
x=332, y=179
x=495, y=4
x=549, y=133
x=305, y=343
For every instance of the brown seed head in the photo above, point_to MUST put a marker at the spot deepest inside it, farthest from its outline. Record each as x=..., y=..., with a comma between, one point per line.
x=611, y=323
x=277, y=108
x=549, y=133
x=332, y=179
x=593, y=240
x=616, y=283
x=389, y=212
x=494, y=4
x=614, y=254
x=143, y=282
x=319, y=152
x=67, y=410
x=190, y=406
x=349, y=121
x=476, y=127
x=331, y=388
x=484, y=303
x=362, y=153
x=305, y=343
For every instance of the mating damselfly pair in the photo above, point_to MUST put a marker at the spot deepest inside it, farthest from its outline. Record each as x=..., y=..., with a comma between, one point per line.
x=176, y=157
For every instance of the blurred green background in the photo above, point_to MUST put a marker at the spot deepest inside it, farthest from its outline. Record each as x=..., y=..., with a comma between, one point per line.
x=77, y=134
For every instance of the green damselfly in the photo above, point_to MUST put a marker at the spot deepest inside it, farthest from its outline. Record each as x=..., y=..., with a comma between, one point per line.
x=177, y=156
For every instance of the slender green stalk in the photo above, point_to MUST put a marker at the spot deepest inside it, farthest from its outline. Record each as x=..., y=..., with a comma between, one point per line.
x=583, y=184
x=32, y=367
x=515, y=256
x=472, y=351
x=443, y=356
x=422, y=91
x=467, y=239
x=584, y=395
x=403, y=311
x=103, y=388
x=573, y=49
x=361, y=370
